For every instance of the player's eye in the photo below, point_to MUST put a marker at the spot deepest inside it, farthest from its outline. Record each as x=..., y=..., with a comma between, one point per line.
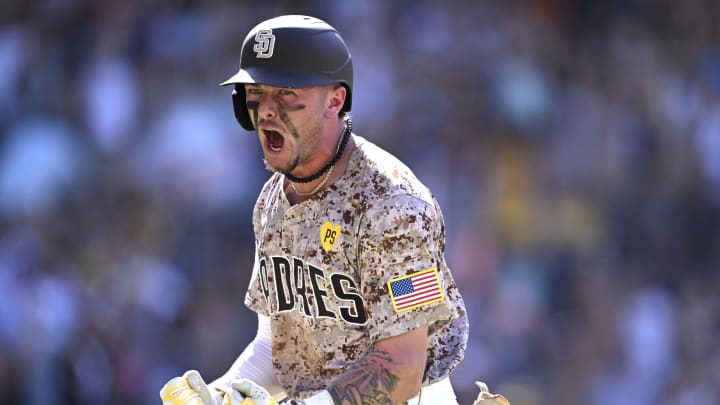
x=253, y=91
x=286, y=92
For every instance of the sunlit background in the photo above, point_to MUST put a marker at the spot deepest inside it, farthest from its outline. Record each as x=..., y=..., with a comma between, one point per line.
x=573, y=145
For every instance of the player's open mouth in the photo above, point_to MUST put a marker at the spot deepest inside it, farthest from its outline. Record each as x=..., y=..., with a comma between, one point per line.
x=274, y=140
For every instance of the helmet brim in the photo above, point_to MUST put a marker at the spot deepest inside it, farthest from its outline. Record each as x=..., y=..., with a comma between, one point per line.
x=278, y=78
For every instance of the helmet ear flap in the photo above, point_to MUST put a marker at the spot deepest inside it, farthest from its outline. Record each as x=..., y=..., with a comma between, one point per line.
x=240, y=108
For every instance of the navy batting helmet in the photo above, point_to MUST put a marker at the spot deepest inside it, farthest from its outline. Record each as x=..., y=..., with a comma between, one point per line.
x=292, y=51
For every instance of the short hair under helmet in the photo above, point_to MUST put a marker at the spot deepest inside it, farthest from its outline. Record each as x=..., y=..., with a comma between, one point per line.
x=292, y=51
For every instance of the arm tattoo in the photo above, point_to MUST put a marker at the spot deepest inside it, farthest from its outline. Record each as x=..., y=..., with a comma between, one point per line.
x=369, y=381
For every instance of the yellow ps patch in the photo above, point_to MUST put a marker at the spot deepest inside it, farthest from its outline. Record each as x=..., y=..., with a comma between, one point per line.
x=329, y=234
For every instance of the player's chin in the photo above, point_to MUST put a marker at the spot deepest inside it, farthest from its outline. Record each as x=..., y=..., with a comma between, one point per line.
x=276, y=162
x=269, y=166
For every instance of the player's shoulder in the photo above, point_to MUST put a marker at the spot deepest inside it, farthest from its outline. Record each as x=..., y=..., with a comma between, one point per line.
x=271, y=187
x=384, y=175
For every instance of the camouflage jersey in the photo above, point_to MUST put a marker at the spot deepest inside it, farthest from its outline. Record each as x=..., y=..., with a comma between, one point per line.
x=362, y=261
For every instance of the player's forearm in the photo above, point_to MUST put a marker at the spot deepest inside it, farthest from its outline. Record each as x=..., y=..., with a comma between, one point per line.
x=376, y=380
x=389, y=374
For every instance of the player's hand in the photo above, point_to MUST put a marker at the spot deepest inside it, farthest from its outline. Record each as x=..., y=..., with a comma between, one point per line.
x=190, y=389
x=247, y=392
x=486, y=398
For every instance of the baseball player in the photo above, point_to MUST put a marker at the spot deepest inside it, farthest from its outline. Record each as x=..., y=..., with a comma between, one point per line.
x=355, y=302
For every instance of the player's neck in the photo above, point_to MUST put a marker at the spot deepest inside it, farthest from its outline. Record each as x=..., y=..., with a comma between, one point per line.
x=299, y=192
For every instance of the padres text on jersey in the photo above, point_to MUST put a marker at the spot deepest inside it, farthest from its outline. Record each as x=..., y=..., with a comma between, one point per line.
x=295, y=280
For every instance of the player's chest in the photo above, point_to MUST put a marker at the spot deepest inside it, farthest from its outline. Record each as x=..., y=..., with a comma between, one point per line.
x=323, y=233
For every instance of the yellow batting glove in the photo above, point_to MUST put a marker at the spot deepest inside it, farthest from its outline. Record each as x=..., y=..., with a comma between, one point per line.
x=236, y=398
x=190, y=389
x=247, y=392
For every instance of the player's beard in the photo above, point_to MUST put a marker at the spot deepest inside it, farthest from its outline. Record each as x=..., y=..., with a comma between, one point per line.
x=289, y=167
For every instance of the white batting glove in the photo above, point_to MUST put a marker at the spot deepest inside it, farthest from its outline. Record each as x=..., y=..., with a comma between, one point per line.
x=190, y=389
x=247, y=392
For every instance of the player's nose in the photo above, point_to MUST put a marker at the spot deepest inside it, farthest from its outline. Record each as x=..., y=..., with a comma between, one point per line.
x=267, y=107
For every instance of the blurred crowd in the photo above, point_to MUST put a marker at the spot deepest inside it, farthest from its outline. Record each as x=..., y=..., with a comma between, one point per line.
x=573, y=145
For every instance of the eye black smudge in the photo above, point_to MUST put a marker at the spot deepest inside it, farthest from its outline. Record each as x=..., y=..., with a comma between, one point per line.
x=253, y=107
x=296, y=107
x=288, y=123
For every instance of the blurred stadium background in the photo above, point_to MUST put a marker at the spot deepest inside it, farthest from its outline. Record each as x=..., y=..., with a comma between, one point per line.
x=574, y=147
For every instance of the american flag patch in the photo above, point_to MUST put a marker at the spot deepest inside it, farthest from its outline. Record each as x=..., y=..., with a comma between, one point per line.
x=414, y=290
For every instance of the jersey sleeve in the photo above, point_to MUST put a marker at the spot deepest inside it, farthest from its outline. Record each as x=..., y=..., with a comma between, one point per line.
x=400, y=238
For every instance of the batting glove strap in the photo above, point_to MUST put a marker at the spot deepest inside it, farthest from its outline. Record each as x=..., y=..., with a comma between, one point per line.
x=321, y=398
x=190, y=389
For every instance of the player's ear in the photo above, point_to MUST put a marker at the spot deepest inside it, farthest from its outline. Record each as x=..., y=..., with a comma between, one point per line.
x=335, y=100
